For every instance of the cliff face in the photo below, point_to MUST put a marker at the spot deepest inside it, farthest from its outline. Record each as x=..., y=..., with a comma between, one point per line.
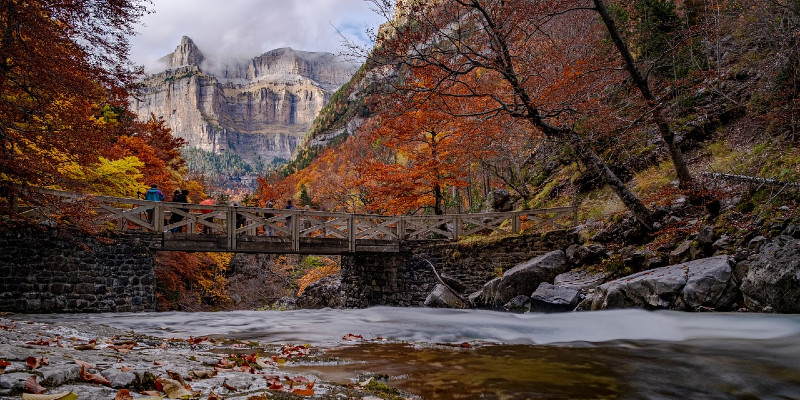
x=257, y=109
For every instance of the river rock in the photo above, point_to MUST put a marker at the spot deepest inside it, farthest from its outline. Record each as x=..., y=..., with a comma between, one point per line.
x=14, y=381
x=442, y=297
x=59, y=375
x=580, y=279
x=519, y=303
x=681, y=254
x=522, y=279
x=118, y=378
x=697, y=285
x=326, y=292
x=773, y=277
x=551, y=298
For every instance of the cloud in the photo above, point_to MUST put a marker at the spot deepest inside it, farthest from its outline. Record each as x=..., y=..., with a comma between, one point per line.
x=248, y=28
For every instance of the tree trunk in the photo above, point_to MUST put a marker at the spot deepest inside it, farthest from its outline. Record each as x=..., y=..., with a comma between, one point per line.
x=592, y=161
x=681, y=169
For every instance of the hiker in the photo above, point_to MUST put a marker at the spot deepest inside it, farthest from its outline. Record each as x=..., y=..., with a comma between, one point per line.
x=179, y=197
x=153, y=194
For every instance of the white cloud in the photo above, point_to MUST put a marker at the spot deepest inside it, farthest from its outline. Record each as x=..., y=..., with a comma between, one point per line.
x=247, y=28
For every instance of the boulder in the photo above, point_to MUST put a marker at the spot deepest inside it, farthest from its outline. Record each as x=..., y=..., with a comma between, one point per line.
x=588, y=255
x=442, y=297
x=522, y=279
x=519, y=303
x=500, y=200
x=773, y=277
x=326, y=292
x=681, y=254
x=580, y=280
x=551, y=298
x=708, y=283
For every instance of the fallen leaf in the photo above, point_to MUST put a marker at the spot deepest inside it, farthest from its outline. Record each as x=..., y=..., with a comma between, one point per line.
x=94, y=378
x=194, y=340
x=163, y=345
x=351, y=337
x=152, y=393
x=303, y=392
x=123, y=394
x=174, y=389
x=8, y=327
x=276, y=386
x=214, y=396
x=176, y=377
x=83, y=364
x=4, y=364
x=466, y=345
x=31, y=386
x=155, y=362
x=203, y=374
x=54, y=396
x=126, y=368
x=88, y=346
x=229, y=387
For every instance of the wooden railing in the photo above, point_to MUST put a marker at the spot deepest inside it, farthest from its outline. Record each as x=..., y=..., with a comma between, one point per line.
x=252, y=229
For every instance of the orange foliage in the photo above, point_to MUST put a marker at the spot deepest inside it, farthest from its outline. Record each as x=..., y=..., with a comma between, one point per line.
x=189, y=280
x=315, y=275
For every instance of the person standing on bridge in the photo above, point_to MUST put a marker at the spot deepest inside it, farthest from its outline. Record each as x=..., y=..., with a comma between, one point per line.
x=153, y=194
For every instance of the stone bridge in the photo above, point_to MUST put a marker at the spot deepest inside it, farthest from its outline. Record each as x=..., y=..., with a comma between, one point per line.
x=59, y=270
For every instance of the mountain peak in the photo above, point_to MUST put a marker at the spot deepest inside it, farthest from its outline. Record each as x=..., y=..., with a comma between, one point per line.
x=187, y=53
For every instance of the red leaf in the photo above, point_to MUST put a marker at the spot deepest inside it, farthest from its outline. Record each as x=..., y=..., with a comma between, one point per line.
x=229, y=387
x=83, y=364
x=352, y=337
x=466, y=345
x=194, y=340
x=31, y=386
x=4, y=364
x=276, y=386
x=303, y=392
x=214, y=396
x=94, y=378
x=34, y=362
x=123, y=394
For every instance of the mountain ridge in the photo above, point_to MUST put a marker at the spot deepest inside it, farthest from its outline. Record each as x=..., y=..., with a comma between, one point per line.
x=257, y=110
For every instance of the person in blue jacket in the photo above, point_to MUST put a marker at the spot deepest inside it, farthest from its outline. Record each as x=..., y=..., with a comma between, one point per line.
x=153, y=194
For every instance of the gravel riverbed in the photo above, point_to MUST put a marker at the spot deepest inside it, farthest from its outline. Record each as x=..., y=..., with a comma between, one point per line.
x=97, y=361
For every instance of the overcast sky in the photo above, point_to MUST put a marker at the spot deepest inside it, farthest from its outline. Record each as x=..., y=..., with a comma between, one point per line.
x=248, y=28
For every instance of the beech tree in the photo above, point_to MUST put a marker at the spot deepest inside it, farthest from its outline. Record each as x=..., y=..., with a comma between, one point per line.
x=541, y=62
x=62, y=64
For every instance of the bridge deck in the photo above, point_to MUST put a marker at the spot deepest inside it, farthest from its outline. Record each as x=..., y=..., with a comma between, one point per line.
x=194, y=227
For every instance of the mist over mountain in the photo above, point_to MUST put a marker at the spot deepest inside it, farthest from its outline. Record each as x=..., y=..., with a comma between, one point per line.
x=239, y=117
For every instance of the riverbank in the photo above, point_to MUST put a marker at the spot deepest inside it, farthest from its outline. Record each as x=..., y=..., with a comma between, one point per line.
x=616, y=354
x=101, y=362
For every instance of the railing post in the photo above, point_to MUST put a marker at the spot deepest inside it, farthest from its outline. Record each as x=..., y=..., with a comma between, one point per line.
x=458, y=228
x=401, y=228
x=158, y=218
x=230, y=225
x=515, y=222
x=351, y=233
x=295, y=219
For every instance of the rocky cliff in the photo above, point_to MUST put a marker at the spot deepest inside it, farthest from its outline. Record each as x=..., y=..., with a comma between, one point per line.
x=255, y=111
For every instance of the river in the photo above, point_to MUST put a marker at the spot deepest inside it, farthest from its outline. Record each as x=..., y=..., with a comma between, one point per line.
x=621, y=354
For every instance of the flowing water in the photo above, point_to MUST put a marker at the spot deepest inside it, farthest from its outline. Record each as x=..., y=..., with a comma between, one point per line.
x=625, y=354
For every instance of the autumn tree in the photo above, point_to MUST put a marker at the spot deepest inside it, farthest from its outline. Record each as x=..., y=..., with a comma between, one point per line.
x=540, y=62
x=62, y=64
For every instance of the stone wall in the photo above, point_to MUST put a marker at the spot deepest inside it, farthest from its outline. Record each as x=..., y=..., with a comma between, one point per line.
x=59, y=270
x=405, y=278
